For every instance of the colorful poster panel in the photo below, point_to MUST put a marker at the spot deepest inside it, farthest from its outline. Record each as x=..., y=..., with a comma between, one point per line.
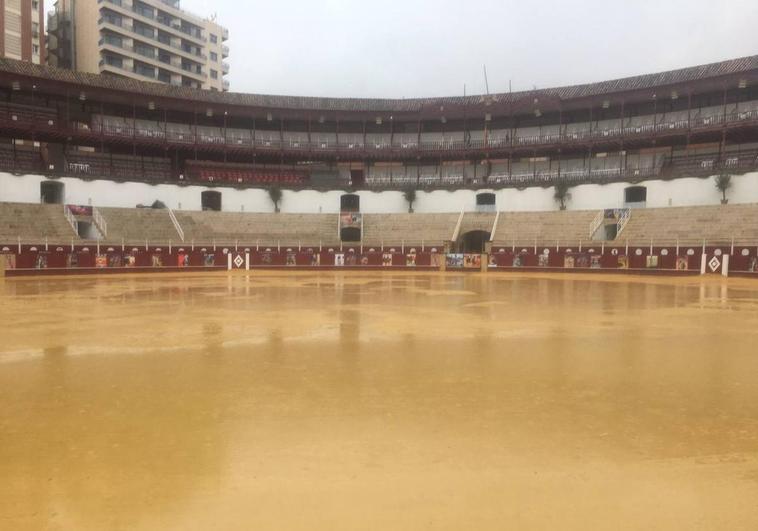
x=410, y=260
x=569, y=262
x=582, y=261
x=182, y=260
x=623, y=262
x=339, y=260
x=752, y=267
x=10, y=260
x=543, y=260
x=595, y=262
x=519, y=260
x=41, y=262
x=492, y=261
x=472, y=261
x=315, y=260
x=114, y=260
x=652, y=262
x=455, y=261
x=157, y=260
x=351, y=259
x=72, y=260
x=387, y=260
x=209, y=260
x=682, y=264
x=437, y=259
x=291, y=260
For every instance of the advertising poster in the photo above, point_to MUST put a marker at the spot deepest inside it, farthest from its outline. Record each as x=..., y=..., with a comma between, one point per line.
x=753, y=265
x=209, y=260
x=518, y=260
x=387, y=259
x=72, y=260
x=41, y=262
x=315, y=260
x=682, y=264
x=182, y=260
x=472, y=261
x=114, y=260
x=101, y=261
x=492, y=261
x=350, y=220
x=339, y=260
x=364, y=260
x=267, y=258
x=595, y=262
x=623, y=262
x=351, y=260
x=437, y=259
x=568, y=262
x=10, y=260
x=582, y=261
x=130, y=260
x=291, y=259
x=544, y=260
x=157, y=260
x=410, y=260
x=455, y=261
x=652, y=262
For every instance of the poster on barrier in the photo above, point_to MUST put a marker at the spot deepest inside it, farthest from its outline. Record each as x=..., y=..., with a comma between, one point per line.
x=682, y=264
x=753, y=265
x=492, y=262
x=339, y=260
x=72, y=260
x=472, y=261
x=410, y=260
x=267, y=258
x=623, y=262
x=455, y=261
x=582, y=261
x=387, y=259
x=652, y=262
x=10, y=260
x=114, y=260
x=157, y=260
x=182, y=260
x=519, y=260
x=351, y=259
x=543, y=260
x=596, y=261
x=41, y=262
x=315, y=260
x=130, y=260
x=437, y=259
x=209, y=260
x=101, y=261
x=568, y=262
x=291, y=260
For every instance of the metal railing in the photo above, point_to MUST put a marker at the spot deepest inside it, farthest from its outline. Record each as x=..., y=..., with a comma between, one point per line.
x=175, y=221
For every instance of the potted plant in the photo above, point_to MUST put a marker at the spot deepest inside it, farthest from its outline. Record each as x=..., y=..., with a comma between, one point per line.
x=562, y=194
x=410, y=197
x=723, y=184
x=275, y=194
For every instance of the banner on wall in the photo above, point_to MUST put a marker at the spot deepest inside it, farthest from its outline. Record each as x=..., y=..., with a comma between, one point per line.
x=114, y=260
x=72, y=260
x=209, y=260
x=543, y=260
x=339, y=260
x=267, y=258
x=682, y=263
x=182, y=260
x=41, y=262
x=492, y=262
x=315, y=260
x=753, y=265
x=10, y=260
x=350, y=220
x=595, y=261
x=79, y=210
x=291, y=260
x=410, y=260
x=569, y=262
x=351, y=259
x=623, y=262
x=472, y=261
x=455, y=261
x=652, y=262
x=157, y=260
x=387, y=259
x=437, y=259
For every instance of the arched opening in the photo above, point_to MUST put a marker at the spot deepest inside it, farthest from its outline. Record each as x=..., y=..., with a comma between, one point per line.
x=635, y=196
x=474, y=241
x=486, y=202
x=211, y=200
x=350, y=203
x=52, y=192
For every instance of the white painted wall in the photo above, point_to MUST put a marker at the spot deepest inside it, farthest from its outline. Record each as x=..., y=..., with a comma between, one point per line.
x=680, y=192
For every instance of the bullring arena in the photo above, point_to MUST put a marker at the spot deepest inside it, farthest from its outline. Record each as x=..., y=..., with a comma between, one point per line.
x=533, y=310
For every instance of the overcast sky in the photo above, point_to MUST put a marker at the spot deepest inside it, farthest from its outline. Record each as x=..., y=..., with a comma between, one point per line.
x=410, y=48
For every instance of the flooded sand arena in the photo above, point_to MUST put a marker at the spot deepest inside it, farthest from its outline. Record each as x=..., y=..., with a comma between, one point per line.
x=344, y=401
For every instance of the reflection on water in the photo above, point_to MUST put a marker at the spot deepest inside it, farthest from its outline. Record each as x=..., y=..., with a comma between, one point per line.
x=380, y=401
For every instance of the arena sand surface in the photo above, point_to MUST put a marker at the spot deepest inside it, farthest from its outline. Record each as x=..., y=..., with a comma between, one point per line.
x=367, y=401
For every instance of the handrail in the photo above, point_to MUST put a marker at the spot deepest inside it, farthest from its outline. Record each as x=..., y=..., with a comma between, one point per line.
x=494, y=226
x=457, y=230
x=100, y=222
x=71, y=219
x=624, y=219
x=177, y=226
x=596, y=223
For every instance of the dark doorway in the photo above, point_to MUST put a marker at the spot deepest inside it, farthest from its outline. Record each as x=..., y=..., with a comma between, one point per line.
x=486, y=202
x=350, y=203
x=474, y=241
x=350, y=234
x=635, y=195
x=357, y=178
x=51, y=192
x=211, y=200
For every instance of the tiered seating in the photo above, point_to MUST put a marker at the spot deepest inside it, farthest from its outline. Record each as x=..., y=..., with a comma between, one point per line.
x=213, y=172
x=546, y=227
x=260, y=229
x=135, y=225
x=477, y=221
x=29, y=115
x=26, y=159
x=33, y=223
x=119, y=166
x=412, y=229
x=716, y=224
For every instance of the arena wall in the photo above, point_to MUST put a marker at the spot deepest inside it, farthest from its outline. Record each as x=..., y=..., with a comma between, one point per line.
x=679, y=192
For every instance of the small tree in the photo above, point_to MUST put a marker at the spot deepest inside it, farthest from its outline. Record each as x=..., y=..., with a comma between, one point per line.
x=157, y=204
x=723, y=184
x=410, y=197
x=275, y=193
x=561, y=194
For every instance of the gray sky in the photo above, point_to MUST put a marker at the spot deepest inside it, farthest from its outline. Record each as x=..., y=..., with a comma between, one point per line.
x=410, y=48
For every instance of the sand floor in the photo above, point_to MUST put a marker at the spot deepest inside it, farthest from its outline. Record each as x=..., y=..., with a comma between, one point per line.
x=368, y=401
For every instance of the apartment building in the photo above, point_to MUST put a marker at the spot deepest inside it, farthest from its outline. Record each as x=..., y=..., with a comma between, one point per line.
x=149, y=40
x=22, y=33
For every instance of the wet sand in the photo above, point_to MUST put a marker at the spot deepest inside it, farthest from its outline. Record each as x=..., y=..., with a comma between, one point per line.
x=345, y=401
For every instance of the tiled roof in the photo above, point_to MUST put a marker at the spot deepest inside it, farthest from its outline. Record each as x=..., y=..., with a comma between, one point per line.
x=647, y=81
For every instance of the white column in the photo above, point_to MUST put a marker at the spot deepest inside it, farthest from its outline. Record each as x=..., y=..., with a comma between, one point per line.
x=725, y=266
x=703, y=264
x=247, y=261
x=229, y=261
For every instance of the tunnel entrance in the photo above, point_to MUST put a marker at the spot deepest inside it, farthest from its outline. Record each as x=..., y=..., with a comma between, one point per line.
x=473, y=242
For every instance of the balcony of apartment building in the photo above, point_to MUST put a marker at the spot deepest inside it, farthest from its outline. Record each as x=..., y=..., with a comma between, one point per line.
x=225, y=35
x=147, y=15
x=225, y=84
x=224, y=51
x=225, y=68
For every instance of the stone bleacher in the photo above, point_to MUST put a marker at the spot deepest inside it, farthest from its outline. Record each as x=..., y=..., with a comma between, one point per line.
x=33, y=223
x=715, y=224
x=565, y=226
x=260, y=228
x=411, y=229
x=135, y=225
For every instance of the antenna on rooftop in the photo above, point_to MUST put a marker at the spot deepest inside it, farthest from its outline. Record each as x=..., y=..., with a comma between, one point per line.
x=486, y=81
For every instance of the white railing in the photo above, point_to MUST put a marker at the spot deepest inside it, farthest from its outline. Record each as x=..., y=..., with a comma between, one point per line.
x=494, y=226
x=100, y=222
x=179, y=229
x=458, y=225
x=624, y=218
x=597, y=223
x=71, y=219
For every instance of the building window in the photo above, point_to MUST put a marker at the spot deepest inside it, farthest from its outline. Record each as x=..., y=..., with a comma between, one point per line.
x=214, y=57
x=214, y=39
x=214, y=74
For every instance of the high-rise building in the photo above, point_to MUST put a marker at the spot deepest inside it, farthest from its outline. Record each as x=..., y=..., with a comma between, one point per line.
x=149, y=40
x=22, y=34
